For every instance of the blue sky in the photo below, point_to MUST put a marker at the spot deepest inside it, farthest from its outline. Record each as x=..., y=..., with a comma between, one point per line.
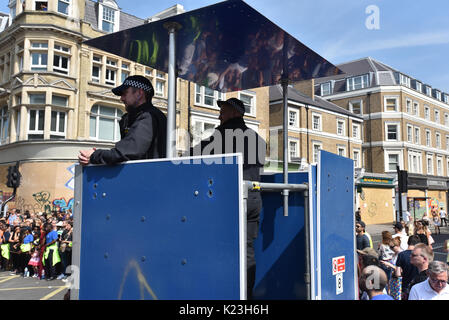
x=413, y=36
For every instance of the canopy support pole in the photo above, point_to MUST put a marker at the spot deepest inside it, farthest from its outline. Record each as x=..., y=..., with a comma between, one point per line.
x=172, y=28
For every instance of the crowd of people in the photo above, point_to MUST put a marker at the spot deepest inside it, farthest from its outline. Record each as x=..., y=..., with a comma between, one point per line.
x=36, y=245
x=402, y=267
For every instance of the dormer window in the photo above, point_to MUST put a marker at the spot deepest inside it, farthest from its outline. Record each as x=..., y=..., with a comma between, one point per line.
x=429, y=91
x=404, y=80
x=109, y=16
x=326, y=89
x=419, y=86
x=12, y=10
x=437, y=95
x=356, y=83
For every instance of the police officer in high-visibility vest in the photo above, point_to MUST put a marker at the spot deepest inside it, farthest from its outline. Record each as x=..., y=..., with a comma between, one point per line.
x=51, y=254
x=4, y=247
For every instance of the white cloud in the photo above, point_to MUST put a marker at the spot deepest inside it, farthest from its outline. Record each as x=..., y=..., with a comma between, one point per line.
x=347, y=46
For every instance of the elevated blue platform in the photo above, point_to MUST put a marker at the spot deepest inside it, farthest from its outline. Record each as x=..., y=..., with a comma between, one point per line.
x=170, y=230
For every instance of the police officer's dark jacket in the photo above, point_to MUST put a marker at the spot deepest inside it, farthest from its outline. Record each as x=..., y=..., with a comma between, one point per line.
x=143, y=133
x=244, y=140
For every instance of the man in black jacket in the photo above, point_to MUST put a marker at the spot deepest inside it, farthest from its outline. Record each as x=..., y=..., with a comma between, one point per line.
x=232, y=136
x=142, y=128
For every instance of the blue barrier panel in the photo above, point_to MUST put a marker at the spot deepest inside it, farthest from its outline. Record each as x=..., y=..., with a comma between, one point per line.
x=336, y=228
x=280, y=244
x=159, y=230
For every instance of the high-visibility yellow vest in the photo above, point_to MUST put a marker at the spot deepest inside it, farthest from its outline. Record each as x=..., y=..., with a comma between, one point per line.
x=5, y=250
x=56, y=257
x=26, y=247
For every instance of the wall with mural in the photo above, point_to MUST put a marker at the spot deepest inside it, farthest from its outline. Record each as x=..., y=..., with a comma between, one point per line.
x=45, y=187
x=418, y=208
x=376, y=205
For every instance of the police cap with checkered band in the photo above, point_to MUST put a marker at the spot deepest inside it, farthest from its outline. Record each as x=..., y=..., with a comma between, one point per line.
x=139, y=82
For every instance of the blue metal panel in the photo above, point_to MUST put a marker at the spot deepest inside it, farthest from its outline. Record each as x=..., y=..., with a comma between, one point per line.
x=336, y=223
x=146, y=234
x=280, y=244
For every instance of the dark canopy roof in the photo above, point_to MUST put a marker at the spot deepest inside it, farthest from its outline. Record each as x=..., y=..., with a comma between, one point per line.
x=227, y=46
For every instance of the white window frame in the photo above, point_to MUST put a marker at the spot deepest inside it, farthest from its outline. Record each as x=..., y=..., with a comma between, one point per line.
x=446, y=119
x=426, y=112
x=356, y=157
x=428, y=91
x=408, y=106
x=252, y=106
x=351, y=106
x=296, y=151
x=415, y=108
x=343, y=149
x=108, y=78
x=404, y=80
x=396, y=98
x=62, y=54
x=200, y=96
x=4, y=124
x=39, y=112
x=414, y=157
x=341, y=127
x=439, y=166
x=358, y=131
x=58, y=120
x=438, y=140
x=447, y=143
x=437, y=116
x=320, y=121
x=113, y=19
x=398, y=131
x=159, y=85
x=69, y=7
x=97, y=117
x=295, y=113
x=428, y=138
x=417, y=137
x=40, y=49
x=351, y=82
x=326, y=88
x=315, y=155
x=202, y=134
x=35, y=3
x=389, y=153
x=410, y=133
x=429, y=170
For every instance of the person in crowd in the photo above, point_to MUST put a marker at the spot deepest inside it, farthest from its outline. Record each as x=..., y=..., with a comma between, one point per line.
x=34, y=262
x=436, y=221
x=420, y=231
x=399, y=231
x=26, y=247
x=395, y=281
x=5, y=247
x=373, y=281
x=443, y=217
x=385, y=252
x=51, y=253
x=14, y=245
x=435, y=287
x=404, y=267
x=362, y=240
x=358, y=216
x=66, y=249
x=421, y=256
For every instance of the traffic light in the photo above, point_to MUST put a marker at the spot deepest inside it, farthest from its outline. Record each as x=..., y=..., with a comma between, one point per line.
x=13, y=179
x=402, y=181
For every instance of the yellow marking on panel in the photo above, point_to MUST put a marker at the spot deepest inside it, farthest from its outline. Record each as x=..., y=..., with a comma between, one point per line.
x=140, y=278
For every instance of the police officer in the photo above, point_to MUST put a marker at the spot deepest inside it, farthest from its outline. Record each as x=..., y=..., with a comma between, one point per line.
x=142, y=128
x=231, y=136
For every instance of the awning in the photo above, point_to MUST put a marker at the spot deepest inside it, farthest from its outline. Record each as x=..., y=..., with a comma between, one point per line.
x=228, y=46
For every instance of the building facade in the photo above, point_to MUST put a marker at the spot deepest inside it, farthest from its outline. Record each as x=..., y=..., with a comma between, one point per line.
x=56, y=99
x=314, y=124
x=406, y=124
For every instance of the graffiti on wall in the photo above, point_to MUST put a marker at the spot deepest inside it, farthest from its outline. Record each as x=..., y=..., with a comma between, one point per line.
x=42, y=203
x=71, y=183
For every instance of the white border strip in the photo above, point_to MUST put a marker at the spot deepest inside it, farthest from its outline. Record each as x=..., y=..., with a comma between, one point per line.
x=77, y=222
x=318, y=225
x=242, y=231
x=311, y=240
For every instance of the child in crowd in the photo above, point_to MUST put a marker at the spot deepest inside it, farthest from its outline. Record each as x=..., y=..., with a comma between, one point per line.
x=34, y=262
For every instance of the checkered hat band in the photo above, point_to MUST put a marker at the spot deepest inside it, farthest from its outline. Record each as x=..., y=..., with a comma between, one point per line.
x=137, y=84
